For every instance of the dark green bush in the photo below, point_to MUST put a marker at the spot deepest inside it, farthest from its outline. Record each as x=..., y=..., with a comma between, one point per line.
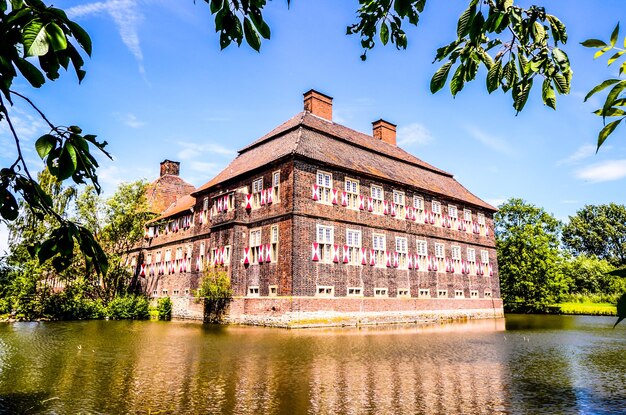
x=164, y=308
x=129, y=307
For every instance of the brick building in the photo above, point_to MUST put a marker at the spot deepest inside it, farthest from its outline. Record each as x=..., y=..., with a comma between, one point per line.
x=315, y=222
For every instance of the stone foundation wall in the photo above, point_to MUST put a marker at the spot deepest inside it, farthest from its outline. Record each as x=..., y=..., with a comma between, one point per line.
x=186, y=308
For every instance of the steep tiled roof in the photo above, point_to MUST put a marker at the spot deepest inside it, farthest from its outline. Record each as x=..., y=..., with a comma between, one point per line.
x=322, y=140
x=183, y=204
x=165, y=190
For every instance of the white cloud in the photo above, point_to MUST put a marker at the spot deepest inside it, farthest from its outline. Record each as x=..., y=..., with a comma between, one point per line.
x=130, y=120
x=583, y=152
x=414, y=134
x=203, y=167
x=497, y=144
x=192, y=150
x=127, y=17
x=605, y=171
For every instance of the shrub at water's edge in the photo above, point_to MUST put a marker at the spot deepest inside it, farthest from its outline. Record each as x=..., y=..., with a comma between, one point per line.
x=216, y=293
x=164, y=308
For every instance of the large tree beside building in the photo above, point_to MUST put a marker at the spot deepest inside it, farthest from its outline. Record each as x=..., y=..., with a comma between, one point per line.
x=529, y=261
x=600, y=231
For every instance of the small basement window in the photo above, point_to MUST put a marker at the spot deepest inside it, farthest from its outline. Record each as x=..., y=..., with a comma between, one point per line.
x=253, y=291
x=325, y=291
x=273, y=290
x=380, y=292
x=474, y=293
x=442, y=293
x=424, y=293
x=488, y=294
x=458, y=294
x=355, y=291
x=403, y=292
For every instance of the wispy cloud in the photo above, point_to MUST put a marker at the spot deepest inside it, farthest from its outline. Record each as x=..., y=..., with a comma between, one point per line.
x=127, y=16
x=130, y=120
x=496, y=201
x=493, y=142
x=193, y=150
x=414, y=134
x=583, y=152
x=605, y=171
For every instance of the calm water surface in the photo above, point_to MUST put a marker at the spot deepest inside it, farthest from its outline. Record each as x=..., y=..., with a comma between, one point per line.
x=531, y=365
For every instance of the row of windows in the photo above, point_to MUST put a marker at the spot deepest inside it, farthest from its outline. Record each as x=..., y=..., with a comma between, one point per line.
x=352, y=188
x=329, y=291
x=326, y=241
x=257, y=189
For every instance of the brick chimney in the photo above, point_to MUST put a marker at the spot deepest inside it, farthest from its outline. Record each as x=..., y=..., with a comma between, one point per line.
x=384, y=130
x=170, y=167
x=318, y=104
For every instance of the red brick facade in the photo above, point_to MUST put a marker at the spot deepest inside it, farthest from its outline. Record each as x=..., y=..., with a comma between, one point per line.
x=283, y=199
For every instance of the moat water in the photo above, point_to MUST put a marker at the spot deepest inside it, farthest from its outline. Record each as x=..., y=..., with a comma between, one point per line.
x=526, y=365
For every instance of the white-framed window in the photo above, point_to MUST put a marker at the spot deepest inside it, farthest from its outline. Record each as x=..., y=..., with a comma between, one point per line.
x=459, y=294
x=402, y=250
x=453, y=212
x=273, y=290
x=378, y=196
x=175, y=292
x=149, y=259
x=255, y=245
x=471, y=260
x=484, y=257
x=488, y=293
x=442, y=293
x=440, y=255
x=158, y=256
x=422, y=254
x=437, y=212
x=201, y=254
x=467, y=215
x=379, y=246
x=226, y=255
x=352, y=190
x=481, y=219
x=205, y=203
x=355, y=291
x=223, y=202
x=274, y=243
x=325, y=239
x=404, y=292
x=424, y=293
x=473, y=293
x=353, y=241
x=418, y=205
x=276, y=186
x=381, y=292
x=325, y=184
x=456, y=258
x=253, y=291
x=257, y=188
x=164, y=292
x=133, y=262
x=325, y=290
x=398, y=201
x=168, y=255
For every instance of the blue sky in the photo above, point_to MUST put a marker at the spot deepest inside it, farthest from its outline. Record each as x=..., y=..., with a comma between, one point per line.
x=157, y=87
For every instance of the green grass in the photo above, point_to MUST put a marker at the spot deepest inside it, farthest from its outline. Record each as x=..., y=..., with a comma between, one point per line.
x=594, y=309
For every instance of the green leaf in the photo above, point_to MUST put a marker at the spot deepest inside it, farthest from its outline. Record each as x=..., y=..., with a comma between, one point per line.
x=464, y=23
x=30, y=72
x=251, y=35
x=602, y=52
x=81, y=36
x=547, y=94
x=494, y=76
x=259, y=23
x=9, y=208
x=621, y=309
x=44, y=144
x=520, y=94
x=35, y=38
x=615, y=57
x=600, y=87
x=622, y=68
x=594, y=43
x=614, y=35
x=56, y=37
x=606, y=131
x=561, y=59
x=539, y=32
x=561, y=83
x=458, y=80
x=439, y=78
x=384, y=33
x=613, y=95
x=611, y=112
x=216, y=5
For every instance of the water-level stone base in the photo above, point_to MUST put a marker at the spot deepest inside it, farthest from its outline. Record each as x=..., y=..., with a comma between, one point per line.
x=302, y=312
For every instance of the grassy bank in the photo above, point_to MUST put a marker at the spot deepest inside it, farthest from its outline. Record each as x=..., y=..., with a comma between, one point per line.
x=593, y=309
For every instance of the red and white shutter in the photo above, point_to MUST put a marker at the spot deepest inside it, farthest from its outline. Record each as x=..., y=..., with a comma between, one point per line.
x=361, y=202
x=396, y=259
x=490, y=270
x=261, y=257
x=372, y=257
x=263, y=197
x=416, y=263
x=432, y=218
x=246, y=255
x=268, y=253
x=385, y=207
x=219, y=204
x=334, y=197
x=270, y=196
x=346, y=254
x=315, y=251
x=388, y=259
x=486, y=230
x=363, y=256
x=408, y=213
x=335, y=253
x=248, y=201
x=426, y=218
x=344, y=199
x=315, y=192
x=225, y=203
x=393, y=209
x=370, y=204
x=142, y=270
x=409, y=261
